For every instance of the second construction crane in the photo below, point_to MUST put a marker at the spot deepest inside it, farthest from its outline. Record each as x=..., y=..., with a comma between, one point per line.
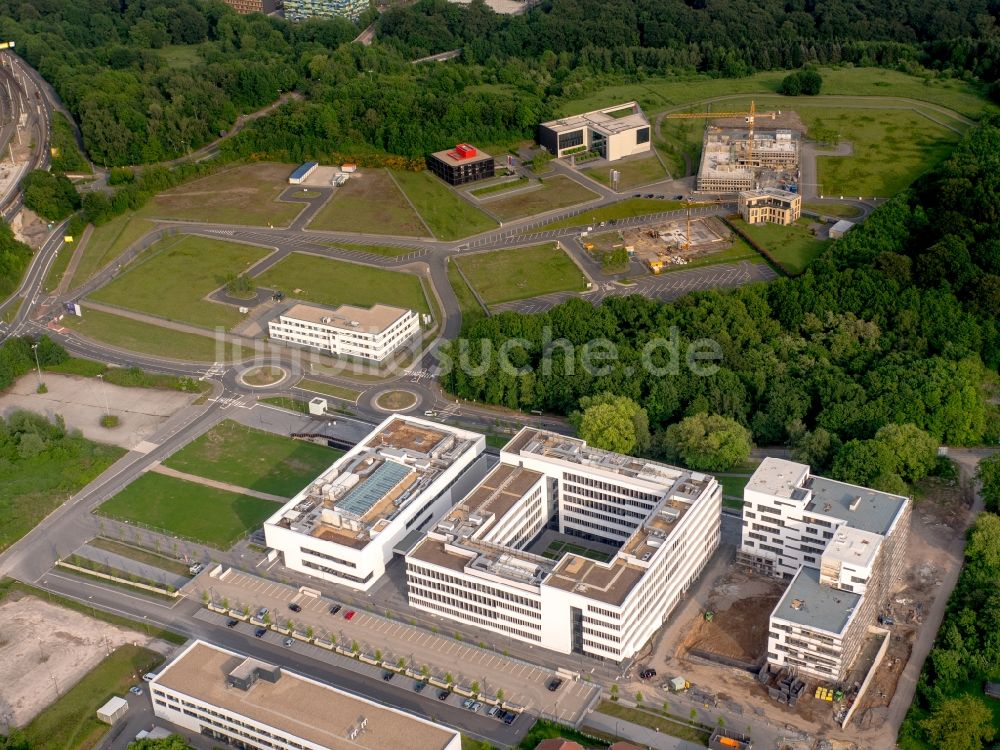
x=749, y=116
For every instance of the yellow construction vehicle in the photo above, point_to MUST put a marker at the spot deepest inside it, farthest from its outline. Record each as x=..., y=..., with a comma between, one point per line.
x=750, y=117
x=688, y=205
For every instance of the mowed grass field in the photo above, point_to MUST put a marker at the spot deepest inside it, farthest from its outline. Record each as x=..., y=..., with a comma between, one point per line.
x=242, y=195
x=892, y=144
x=448, y=216
x=189, y=510
x=625, y=209
x=108, y=242
x=555, y=192
x=369, y=202
x=335, y=282
x=632, y=172
x=257, y=460
x=174, y=275
x=522, y=272
x=71, y=722
x=145, y=338
x=793, y=246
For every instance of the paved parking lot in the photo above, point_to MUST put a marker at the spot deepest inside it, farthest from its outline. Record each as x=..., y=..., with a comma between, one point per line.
x=523, y=684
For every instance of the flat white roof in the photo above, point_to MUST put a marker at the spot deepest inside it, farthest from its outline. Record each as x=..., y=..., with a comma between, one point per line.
x=299, y=706
x=842, y=226
x=112, y=706
x=853, y=546
x=602, y=120
x=374, y=319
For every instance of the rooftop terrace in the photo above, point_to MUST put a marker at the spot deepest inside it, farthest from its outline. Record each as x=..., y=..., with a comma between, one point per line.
x=360, y=494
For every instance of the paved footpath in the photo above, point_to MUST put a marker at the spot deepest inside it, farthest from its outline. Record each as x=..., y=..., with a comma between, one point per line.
x=167, y=471
x=626, y=730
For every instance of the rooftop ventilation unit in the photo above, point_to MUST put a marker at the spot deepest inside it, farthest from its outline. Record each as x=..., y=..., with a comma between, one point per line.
x=855, y=502
x=797, y=604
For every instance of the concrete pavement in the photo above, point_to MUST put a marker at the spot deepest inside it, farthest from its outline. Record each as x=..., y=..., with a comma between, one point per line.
x=626, y=730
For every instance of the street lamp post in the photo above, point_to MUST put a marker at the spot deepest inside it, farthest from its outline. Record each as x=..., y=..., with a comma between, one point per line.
x=107, y=406
x=38, y=367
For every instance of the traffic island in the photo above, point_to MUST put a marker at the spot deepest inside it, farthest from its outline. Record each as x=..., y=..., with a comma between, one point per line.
x=396, y=400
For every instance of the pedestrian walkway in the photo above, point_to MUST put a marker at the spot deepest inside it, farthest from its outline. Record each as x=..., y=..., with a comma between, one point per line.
x=638, y=734
x=128, y=565
x=167, y=471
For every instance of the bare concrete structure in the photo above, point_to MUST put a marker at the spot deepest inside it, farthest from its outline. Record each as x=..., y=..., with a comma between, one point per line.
x=730, y=162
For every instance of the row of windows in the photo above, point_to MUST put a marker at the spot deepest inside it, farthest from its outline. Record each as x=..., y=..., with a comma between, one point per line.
x=606, y=612
x=486, y=622
x=460, y=594
x=615, y=488
x=574, y=519
x=325, y=556
x=601, y=634
x=471, y=585
x=813, y=658
x=601, y=647
x=570, y=499
x=606, y=499
x=337, y=573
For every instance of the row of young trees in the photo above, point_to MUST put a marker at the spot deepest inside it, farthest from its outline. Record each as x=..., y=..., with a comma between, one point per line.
x=868, y=337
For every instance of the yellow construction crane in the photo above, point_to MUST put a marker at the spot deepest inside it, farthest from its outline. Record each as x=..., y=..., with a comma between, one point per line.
x=750, y=116
x=688, y=205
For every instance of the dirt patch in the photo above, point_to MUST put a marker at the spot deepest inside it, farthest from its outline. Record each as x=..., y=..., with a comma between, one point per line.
x=741, y=604
x=45, y=650
x=83, y=401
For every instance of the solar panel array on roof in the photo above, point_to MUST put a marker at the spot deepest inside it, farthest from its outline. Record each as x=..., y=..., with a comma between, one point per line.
x=361, y=499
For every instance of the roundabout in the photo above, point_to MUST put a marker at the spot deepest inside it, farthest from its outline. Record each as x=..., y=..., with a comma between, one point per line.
x=263, y=376
x=396, y=400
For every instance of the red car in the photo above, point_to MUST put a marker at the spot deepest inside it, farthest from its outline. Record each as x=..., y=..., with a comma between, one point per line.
x=349, y=614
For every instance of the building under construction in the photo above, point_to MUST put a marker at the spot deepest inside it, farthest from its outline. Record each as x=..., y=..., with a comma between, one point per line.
x=731, y=161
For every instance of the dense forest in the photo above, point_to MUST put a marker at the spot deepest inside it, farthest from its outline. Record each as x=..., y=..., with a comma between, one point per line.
x=893, y=325
x=949, y=712
x=149, y=80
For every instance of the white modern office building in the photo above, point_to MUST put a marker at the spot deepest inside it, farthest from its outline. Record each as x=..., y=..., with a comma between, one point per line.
x=372, y=333
x=842, y=546
x=613, y=132
x=247, y=703
x=343, y=526
x=658, y=524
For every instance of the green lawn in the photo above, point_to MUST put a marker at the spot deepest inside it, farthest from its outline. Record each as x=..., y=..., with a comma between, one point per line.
x=500, y=187
x=391, y=251
x=733, y=485
x=793, y=246
x=180, y=56
x=335, y=282
x=557, y=549
x=174, y=275
x=139, y=554
x=467, y=302
x=659, y=94
x=370, y=202
x=257, y=460
x=656, y=721
x=625, y=209
x=242, y=195
x=448, y=216
x=284, y=402
x=129, y=377
x=329, y=389
x=840, y=210
x=106, y=243
x=58, y=267
x=71, y=722
x=555, y=192
x=633, y=172
x=522, y=272
x=145, y=338
x=188, y=510
x=32, y=487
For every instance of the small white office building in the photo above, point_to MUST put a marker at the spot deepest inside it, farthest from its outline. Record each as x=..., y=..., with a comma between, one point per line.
x=372, y=333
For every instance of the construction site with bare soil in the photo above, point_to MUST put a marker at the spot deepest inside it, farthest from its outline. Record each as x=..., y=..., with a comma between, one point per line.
x=670, y=243
x=724, y=647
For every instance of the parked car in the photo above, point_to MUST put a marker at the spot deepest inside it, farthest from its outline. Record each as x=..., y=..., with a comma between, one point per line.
x=476, y=707
x=387, y=675
x=135, y=690
x=288, y=641
x=196, y=569
x=295, y=607
x=262, y=612
x=259, y=632
x=637, y=195
x=650, y=195
x=418, y=686
x=334, y=609
x=349, y=614
x=679, y=198
x=495, y=711
x=508, y=718
x=647, y=674
x=443, y=695
x=467, y=703
x=149, y=677
x=554, y=684
x=232, y=623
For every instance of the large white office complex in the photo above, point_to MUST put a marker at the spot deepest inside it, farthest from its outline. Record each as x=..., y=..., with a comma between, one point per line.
x=843, y=548
x=613, y=132
x=343, y=526
x=659, y=524
x=247, y=703
x=372, y=333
